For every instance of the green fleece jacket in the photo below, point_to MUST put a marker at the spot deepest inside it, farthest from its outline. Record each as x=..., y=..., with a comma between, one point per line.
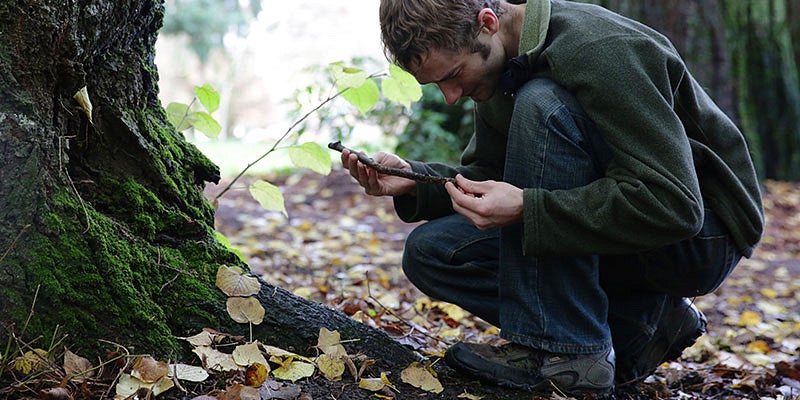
x=675, y=153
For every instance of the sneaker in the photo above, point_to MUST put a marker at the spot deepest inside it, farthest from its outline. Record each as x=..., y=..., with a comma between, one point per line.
x=678, y=328
x=523, y=367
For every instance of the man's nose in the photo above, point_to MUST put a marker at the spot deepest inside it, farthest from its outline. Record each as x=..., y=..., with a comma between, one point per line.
x=450, y=91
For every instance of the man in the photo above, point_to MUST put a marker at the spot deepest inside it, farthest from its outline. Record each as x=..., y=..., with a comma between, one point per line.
x=601, y=189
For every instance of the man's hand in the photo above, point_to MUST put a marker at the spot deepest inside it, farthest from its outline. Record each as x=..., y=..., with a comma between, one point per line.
x=377, y=184
x=486, y=204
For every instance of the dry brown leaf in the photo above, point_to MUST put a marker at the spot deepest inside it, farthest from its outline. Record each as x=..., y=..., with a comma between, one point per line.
x=148, y=370
x=233, y=283
x=245, y=309
x=75, y=366
x=256, y=374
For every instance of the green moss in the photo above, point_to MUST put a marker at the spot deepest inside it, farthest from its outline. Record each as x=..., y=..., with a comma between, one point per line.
x=105, y=283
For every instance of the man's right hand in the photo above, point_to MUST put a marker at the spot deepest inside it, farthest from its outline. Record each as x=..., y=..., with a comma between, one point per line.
x=377, y=184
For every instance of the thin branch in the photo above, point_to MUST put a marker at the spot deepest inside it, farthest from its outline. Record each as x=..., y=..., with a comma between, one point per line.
x=369, y=162
x=283, y=137
x=14, y=242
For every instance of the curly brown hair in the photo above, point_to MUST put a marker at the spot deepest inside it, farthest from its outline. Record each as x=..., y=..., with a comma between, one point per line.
x=411, y=28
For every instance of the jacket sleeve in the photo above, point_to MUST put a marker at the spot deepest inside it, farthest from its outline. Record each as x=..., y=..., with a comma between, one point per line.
x=650, y=194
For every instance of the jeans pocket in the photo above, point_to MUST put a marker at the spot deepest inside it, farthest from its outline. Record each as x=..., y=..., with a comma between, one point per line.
x=695, y=266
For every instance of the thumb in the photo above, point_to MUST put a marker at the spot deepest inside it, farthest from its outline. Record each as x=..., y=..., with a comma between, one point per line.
x=468, y=186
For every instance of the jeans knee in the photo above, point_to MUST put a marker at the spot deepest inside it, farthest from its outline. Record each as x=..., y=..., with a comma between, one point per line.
x=414, y=253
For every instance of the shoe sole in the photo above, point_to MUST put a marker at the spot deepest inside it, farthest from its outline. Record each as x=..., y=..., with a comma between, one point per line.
x=488, y=378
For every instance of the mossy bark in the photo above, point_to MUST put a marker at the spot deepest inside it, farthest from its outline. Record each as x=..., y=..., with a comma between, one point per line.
x=105, y=231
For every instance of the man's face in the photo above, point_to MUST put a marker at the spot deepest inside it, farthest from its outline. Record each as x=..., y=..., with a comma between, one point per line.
x=463, y=73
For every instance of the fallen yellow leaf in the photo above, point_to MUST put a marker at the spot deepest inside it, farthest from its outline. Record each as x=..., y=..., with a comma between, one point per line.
x=330, y=343
x=32, y=361
x=418, y=376
x=294, y=370
x=749, y=318
x=758, y=346
x=248, y=354
x=332, y=367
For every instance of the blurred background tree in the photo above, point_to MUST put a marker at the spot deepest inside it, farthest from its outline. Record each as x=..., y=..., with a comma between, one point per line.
x=206, y=22
x=745, y=53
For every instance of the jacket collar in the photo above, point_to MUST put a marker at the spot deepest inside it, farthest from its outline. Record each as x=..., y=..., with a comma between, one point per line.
x=534, y=28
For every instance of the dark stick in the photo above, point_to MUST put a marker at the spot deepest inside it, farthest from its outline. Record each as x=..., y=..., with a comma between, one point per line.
x=369, y=162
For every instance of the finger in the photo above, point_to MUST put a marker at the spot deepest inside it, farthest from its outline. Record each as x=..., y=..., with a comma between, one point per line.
x=467, y=185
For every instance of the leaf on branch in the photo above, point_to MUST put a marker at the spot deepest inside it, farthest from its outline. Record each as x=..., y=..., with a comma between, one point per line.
x=206, y=124
x=347, y=77
x=208, y=97
x=231, y=281
x=401, y=86
x=363, y=97
x=179, y=116
x=312, y=156
x=269, y=196
x=245, y=309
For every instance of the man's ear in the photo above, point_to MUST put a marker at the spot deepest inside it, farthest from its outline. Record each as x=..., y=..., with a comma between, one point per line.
x=488, y=21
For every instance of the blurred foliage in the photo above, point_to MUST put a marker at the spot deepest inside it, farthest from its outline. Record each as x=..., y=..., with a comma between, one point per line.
x=339, y=118
x=436, y=131
x=206, y=22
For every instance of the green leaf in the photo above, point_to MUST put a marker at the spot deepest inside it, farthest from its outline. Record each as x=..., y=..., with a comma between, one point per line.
x=207, y=124
x=347, y=77
x=227, y=243
x=363, y=97
x=269, y=196
x=208, y=97
x=312, y=156
x=401, y=86
x=179, y=116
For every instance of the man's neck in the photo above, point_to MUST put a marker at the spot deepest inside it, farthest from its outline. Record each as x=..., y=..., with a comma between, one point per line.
x=511, y=28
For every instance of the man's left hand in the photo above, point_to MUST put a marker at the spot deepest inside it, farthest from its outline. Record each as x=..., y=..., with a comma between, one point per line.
x=486, y=204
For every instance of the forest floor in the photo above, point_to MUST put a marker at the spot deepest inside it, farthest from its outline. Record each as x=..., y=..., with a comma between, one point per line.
x=343, y=249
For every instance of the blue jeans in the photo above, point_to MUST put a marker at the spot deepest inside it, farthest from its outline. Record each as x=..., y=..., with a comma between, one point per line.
x=561, y=304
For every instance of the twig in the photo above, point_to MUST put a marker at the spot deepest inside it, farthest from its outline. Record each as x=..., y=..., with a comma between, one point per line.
x=283, y=137
x=369, y=162
x=400, y=318
x=14, y=242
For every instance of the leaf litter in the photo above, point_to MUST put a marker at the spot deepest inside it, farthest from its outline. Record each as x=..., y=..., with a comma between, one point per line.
x=343, y=249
